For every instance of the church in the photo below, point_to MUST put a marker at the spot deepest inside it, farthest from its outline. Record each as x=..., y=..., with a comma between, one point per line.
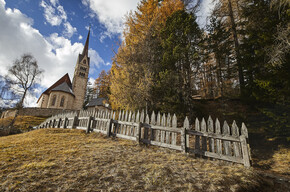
x=64, y=94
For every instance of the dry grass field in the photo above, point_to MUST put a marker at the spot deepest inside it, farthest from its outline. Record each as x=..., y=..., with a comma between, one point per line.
x=71, y=160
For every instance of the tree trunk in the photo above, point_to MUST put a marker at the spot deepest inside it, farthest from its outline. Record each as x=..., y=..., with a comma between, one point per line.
x=237, y=48
x=219, y=76
x=19, y=106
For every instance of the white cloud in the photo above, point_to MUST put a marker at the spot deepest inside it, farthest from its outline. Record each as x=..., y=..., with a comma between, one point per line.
x=80, y=37
x=95, y=58
x=55, y=54
x=54, y=2
x=91, y=81
x=69, y=30
x=30, y=100
x=111, y=13
x=205, y=11
x=53, y=13
x=104, y=35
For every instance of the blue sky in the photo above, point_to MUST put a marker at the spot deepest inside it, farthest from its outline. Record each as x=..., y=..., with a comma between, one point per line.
x=54, y=32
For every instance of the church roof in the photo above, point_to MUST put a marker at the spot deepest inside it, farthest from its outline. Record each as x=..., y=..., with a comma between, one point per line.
x=96, y=102
x=64, y=87
x=63, y=79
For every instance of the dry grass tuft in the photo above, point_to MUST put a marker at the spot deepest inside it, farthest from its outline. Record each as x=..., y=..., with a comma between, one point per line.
x=38, y=165
x=70, y=160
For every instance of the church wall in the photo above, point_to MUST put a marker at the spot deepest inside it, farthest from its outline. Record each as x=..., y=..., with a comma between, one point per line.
x=43, y=101
x=68, y=100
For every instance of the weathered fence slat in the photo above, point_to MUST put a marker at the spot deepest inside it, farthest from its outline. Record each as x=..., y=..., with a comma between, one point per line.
x=183, y=134
x=210, y=130
x=163, y=124
x=197, y=138
x=203, y=139
x=174, y=125
x=132, y=127
x=137, y=121
x=125, y=127
x=153, y=122
x=235, y=133
x=128, y=129
x=158, y=123
x=218, y=141
x=168, y=125
x=147, y=121
x=226, y=132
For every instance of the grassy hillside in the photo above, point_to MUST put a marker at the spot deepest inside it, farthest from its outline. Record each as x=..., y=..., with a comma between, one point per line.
x=70, y=160
x=22, y=123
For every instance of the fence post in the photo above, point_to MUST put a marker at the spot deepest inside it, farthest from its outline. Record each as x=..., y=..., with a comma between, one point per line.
x=138, y=135
x=89, y=124
x=58, y=123
x=109, y=127
x=74, y=122
x=65, y=122
x=53, y=123
x=183, y=139
x=183, y=135
x=245, y=151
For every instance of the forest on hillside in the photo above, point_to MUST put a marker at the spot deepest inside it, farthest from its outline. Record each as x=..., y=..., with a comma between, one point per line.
x=166, y=61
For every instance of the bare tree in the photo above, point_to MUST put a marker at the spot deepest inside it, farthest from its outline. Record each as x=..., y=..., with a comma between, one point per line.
x=21, y=78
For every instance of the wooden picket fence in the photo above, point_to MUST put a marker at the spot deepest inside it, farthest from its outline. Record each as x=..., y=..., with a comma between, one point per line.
x=208, y=139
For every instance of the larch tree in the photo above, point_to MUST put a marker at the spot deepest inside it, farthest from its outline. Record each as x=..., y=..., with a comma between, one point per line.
x=102, y=84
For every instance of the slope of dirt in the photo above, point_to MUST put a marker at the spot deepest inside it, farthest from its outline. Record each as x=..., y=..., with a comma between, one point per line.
x=70, y=160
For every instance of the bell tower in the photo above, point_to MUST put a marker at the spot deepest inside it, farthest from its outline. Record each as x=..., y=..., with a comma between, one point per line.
x=80, y=79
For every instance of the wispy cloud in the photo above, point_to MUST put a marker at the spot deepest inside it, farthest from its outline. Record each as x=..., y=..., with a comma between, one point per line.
x=53, y=12
x=206, y=8
x=111, y=13
x=69, y=30
x=55, y=15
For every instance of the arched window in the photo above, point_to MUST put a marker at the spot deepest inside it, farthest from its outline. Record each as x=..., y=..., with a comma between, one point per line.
x=82, y=74
x=61, y=101
x=53, y=100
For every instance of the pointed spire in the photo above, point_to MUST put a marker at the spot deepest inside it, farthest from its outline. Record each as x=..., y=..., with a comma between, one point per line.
x=86, y=48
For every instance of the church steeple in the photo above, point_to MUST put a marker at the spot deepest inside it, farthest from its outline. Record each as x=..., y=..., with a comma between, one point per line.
x=86, y=47
x=81, y=74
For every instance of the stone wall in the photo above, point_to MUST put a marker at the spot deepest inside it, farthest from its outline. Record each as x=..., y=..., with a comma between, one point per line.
x=34, y=111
